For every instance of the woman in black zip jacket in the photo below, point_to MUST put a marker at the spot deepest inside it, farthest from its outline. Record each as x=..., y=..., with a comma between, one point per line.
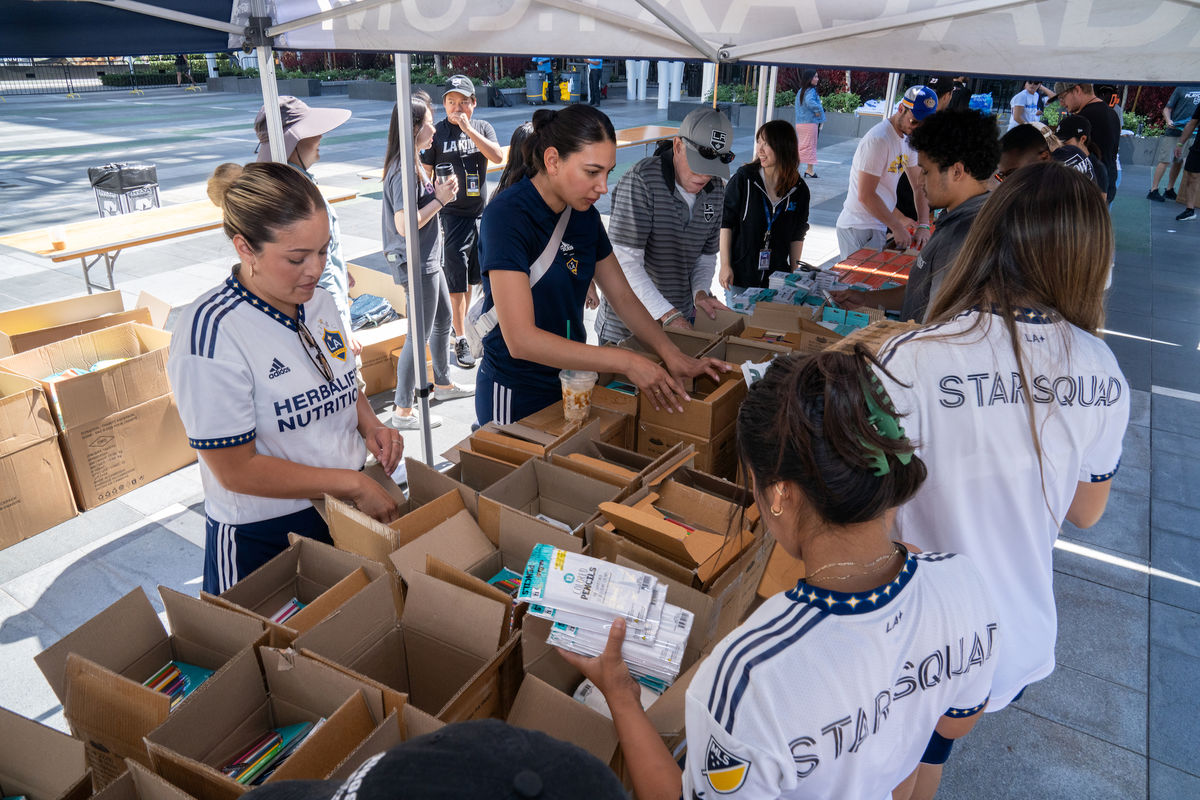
x=766, y=211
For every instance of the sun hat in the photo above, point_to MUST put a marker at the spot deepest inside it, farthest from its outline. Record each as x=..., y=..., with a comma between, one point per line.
x=300, y=121
x=707, y=137
x=921, y=101
x=479, y=758
x=461, y=84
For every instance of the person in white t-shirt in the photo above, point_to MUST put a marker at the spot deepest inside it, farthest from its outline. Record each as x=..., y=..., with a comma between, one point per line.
x=1016, y=405
x=1026, y=104
x=881, y=156
x=832, y=688
x=265, y=380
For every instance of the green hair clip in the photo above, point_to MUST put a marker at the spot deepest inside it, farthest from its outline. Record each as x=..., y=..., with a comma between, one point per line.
x=885, y=424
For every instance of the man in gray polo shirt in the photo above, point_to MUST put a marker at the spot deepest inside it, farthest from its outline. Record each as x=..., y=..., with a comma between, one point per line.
x=666, y=224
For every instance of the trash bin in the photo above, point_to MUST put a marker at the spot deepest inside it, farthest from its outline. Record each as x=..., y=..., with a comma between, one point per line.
x=535, y=87
x=569, y=86
x=124, y=187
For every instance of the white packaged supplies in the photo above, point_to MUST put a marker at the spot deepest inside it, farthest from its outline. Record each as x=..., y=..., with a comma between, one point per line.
x=673, y=623
x=593, y=698
x=659, y=661
x=571, y=582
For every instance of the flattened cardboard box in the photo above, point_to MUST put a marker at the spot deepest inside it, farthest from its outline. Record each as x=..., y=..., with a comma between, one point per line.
x=98, y=669
x=139, y=783
x=39, y=762
x=246, y=700
x=713, y=408
x=320, y=576
x=33, y=326
x=35, y=493
x=120, y=427
x=441, y=645
x=695, y=343
x=356, y=532
x=538, y=487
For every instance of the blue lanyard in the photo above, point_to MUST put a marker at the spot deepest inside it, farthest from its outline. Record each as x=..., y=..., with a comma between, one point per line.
x=771, y=217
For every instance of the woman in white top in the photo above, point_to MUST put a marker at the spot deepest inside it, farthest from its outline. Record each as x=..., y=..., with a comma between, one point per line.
x=832, y=688
x=1016, y=406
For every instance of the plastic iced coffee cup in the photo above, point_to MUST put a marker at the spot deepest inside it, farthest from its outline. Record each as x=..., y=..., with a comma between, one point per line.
x=577, y=393
x=58, y=237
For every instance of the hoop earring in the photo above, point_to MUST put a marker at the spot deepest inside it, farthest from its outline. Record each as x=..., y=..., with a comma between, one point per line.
x=776, y=511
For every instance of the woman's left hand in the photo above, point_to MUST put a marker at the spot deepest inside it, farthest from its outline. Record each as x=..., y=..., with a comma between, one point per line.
x=387, y=445
x=684, y=366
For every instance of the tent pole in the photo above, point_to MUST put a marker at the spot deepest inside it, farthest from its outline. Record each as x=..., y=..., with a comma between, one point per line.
x=773, y=81
x=270, y=93
x=412, y=244
x=760, y=106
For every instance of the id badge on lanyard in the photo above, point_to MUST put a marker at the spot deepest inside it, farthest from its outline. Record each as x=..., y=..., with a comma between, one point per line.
x=472, y=184
x=764, y=255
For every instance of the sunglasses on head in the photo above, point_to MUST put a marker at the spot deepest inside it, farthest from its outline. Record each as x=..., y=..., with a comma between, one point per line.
x=709, y=153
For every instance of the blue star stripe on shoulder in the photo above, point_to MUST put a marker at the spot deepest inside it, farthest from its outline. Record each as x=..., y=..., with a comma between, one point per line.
x=1108, y=476
x=262, y=305
x=220, y=441
x=844, y=603
x=966, y=712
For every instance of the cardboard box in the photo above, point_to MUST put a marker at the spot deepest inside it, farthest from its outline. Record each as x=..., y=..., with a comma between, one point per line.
x=782, y=318
x=444, y=529
x=246, y=700
x=445, y=647
x=726, y=323
x=39, y=762
x=98, y=669
x=35, y=493
x=139, y=783
x=120, y=427
x=716, y=454
x=538, y=487
x=603, y=424
x=729, y=491
x=375, y=367
x=472, y=474
x=34, y=326
x=614, y=392
x=713, y=408
x=695, y=343
x=623, y=468
x=739, y=350
x=320, y=576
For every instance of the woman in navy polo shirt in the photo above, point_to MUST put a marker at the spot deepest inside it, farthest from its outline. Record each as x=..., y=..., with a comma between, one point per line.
x=567, y=160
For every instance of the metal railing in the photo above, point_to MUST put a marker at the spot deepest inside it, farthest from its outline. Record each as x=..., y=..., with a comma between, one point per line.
x=73, y=76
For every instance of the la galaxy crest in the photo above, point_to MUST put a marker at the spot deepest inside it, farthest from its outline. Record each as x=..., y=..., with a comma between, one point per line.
x=573, y=265
x=334, y=344
x=724, y=771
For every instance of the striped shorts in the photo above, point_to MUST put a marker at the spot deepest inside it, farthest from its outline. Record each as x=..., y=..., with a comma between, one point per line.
x=495, y=402
x=231, y=552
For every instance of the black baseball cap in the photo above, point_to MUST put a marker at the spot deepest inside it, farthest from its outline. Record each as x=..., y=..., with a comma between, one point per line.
x=480, y=758
x=1072, y=126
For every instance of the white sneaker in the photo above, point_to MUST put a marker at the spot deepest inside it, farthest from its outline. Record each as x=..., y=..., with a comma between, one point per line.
x=411, y=422
x=461, y=350
x=453, y=391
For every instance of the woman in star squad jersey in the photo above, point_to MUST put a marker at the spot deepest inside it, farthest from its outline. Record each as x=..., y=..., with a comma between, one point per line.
x=832, y=688
x=265, y=381
x=1017, y=406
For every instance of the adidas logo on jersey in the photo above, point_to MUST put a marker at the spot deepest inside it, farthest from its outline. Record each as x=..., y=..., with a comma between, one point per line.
x=277, y=369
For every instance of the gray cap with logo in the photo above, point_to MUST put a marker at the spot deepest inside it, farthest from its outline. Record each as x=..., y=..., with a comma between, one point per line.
x=707, y=137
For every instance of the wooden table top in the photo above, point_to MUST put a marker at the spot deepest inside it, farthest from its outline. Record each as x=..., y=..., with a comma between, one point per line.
x=104, y=235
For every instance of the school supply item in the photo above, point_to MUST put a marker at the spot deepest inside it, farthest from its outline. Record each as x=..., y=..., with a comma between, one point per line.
x=177, y=680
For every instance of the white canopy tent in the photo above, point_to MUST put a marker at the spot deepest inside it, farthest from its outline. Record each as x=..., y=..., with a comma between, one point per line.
x=1096, y=40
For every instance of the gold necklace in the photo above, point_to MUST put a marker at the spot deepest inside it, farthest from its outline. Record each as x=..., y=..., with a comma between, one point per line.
x=867, y=568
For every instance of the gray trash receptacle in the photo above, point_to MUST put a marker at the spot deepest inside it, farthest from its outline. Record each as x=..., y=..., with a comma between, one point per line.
x=574, y=83
x=124, y=187
x=535, y=87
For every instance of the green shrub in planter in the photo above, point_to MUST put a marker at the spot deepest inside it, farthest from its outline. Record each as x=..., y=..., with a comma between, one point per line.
x=841, y=101
x=509, y=83
x=785, y=98
x=143, y=79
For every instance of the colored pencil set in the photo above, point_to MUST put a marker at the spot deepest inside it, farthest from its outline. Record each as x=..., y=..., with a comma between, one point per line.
x=285, y=613
x=257, y=763
x=177, y=680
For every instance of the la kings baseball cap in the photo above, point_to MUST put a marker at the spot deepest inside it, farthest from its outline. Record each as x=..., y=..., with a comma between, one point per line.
x=481, y=758
x=707, y=137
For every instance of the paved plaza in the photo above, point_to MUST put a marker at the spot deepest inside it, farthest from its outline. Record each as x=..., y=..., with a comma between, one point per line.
x=1120, y=716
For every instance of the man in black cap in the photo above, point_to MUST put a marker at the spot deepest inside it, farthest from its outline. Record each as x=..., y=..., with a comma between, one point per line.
x=1075, y=133
x=477, y=759
x=1080, y=98
x=467, y=145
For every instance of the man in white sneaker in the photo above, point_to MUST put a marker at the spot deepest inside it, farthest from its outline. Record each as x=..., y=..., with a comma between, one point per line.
x=467, y=145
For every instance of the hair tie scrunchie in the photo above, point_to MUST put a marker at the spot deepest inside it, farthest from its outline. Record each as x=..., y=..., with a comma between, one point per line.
x=885, y=423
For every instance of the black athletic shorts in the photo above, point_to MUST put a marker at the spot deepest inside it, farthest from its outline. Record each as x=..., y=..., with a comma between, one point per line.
x=1192, y=164
x=460, y=252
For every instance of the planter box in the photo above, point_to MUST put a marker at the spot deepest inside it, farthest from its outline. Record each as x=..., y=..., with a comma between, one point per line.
x=226, y=83
x=1138, y=150
x=300, y=87
x=848, y=125
x=515, y=96
x=677, y=110
x=335, y=87
x=249, y=86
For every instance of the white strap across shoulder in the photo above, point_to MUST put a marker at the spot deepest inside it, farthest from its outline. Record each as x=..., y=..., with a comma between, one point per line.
x=540, y=267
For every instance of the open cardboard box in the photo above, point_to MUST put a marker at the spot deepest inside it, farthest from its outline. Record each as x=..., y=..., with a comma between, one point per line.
x=716, y=454
x=444, y=529
x=445, y=647
x=97, y=670
x=120, y=427
x=695, y=343
x=376, y=368
x=471, y=475
x=603, y=425
x=251, y=697
x=713, y=408
x=35, y=493
x=782, y=323
x=725, y=323
x=40, y=763
x=738, y=350
x=726, y=490
x=356, y=532
x=33, y=326
x=320, y=576
x=541, y=488
x=623, y=468
x=139, y=783
x=516, y=442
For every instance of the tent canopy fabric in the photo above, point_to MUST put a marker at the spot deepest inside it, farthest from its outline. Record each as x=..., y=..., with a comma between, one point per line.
x=1097, y=40
x=49, y=29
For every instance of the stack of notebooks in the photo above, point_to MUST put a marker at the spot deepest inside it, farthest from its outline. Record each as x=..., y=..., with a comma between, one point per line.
x=177, y=680
x=582, y=596
x=262, y=758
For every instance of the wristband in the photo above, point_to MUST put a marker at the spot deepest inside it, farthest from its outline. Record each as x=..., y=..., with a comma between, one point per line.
x=674, y=315
x=922, y=227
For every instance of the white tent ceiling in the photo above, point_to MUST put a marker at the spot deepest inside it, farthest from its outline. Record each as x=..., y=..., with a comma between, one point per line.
x=1115, y=40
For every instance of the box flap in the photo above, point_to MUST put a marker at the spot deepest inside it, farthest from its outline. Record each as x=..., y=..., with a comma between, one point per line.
x=461, y=618
x=389, y=734
x=418, y=723
x=356, y=626
x=115, y=638
x=109, y=710
x=159, y=309
x=24, y=414
x=541, y=707
x=458, y=541
x=307, y=683
x=328, y=601
x=38, y=761
x=217, y=630
x=327, y=746
x=356, y=532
